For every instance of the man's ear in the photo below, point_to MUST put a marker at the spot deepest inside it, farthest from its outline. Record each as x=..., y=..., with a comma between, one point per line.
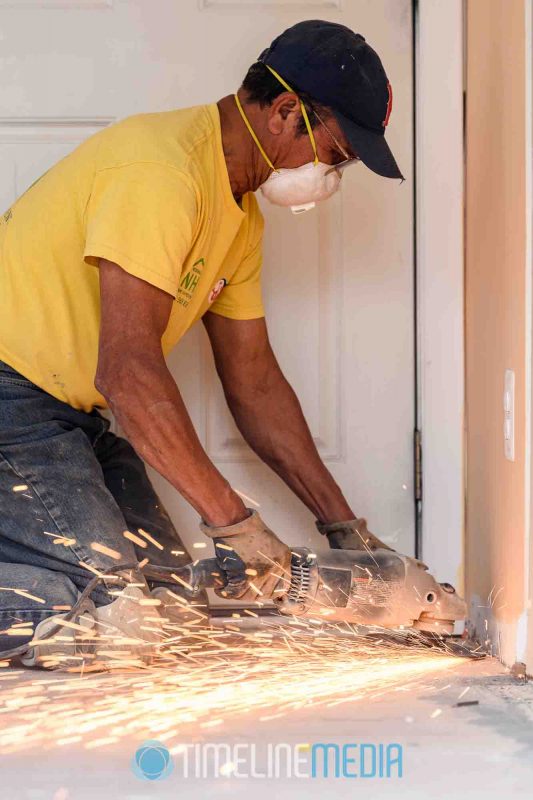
x=284, y=112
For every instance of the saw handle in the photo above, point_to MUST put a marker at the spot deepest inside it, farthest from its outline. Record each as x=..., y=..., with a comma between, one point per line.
x=203, y=574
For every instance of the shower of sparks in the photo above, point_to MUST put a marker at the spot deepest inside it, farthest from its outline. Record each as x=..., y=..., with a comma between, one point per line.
x=204, y=676
x=199, y=675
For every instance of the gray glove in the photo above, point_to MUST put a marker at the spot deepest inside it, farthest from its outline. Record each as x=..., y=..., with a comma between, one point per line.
x=251, y=557
x=351, y=535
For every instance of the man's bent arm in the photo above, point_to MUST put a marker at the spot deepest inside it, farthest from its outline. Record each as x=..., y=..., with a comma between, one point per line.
x=269, y=416
x=133, y=377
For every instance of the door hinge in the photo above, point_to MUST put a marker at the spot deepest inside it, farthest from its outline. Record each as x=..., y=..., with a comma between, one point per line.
x=418, y=465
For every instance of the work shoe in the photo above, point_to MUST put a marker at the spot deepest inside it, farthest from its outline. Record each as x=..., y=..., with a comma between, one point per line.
x=58, y=644
x=126, y=632
x=129, y=629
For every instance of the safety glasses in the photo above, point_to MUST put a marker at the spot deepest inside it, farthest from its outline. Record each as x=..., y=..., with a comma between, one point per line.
x=341, y=166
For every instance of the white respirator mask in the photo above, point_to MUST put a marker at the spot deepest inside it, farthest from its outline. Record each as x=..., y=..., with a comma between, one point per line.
x=299, y=187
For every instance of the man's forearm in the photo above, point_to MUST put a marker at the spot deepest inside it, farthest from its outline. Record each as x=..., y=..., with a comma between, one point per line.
x=148, y=406
x=270, y=418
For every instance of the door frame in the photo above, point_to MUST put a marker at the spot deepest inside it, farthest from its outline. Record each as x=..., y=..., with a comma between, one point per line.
x=439, y=269
x=526, y=643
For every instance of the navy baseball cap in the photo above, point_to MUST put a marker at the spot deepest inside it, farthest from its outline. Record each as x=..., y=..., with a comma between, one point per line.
x=338, y=69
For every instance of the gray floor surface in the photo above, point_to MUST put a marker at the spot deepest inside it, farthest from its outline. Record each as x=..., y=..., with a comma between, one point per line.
x=482, y=750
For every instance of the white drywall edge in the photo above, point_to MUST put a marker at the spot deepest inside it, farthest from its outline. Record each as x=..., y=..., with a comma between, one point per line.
x=526, y=643
x=440, y=279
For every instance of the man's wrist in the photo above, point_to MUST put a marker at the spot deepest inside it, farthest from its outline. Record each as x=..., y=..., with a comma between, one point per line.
x=335, y=513
x=229, y=510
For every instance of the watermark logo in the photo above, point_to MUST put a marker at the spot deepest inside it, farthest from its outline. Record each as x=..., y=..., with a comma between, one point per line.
x=370, y=760
x=356, y=760
x=152, y=761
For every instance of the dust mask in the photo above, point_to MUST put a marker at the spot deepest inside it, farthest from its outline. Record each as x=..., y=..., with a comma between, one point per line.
x=300, y=187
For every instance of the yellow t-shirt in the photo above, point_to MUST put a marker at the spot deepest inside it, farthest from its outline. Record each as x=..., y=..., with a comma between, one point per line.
x=150, y=193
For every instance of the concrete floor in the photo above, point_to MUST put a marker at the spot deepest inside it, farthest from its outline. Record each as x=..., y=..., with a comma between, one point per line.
x=476, y=751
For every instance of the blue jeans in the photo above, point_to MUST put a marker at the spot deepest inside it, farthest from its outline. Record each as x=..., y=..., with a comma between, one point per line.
x=67, y=484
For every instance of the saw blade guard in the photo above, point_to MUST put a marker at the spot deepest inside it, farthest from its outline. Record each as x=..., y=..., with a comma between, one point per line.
x=373, y=588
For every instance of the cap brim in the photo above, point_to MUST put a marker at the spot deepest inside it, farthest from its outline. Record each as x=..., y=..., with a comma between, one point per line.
x=371, y=147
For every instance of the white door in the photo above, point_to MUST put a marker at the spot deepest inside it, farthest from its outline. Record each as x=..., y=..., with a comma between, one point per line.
x=338, y=281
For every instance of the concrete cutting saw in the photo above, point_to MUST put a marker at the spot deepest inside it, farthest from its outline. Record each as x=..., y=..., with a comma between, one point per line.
x=379, y=588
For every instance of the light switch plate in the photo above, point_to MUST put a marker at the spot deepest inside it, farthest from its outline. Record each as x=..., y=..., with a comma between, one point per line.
x=508, y=414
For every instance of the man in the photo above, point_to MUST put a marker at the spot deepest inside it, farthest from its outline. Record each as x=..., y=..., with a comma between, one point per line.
x=105, y=262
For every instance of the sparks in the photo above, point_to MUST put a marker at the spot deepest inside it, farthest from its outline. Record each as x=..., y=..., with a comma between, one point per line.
x=106, y=551
x=150, y=539
x=203, y=677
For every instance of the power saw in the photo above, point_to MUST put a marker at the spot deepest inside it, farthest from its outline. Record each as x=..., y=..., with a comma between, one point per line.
x=379, y=588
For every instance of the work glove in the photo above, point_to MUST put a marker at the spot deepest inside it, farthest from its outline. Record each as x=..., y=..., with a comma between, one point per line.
x=251, y=558
x=351, y=535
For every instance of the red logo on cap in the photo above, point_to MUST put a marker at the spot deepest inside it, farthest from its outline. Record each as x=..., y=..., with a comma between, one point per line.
x=389, y=106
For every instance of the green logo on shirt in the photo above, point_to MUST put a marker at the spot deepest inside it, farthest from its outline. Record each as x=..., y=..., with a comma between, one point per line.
x=189, y=282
